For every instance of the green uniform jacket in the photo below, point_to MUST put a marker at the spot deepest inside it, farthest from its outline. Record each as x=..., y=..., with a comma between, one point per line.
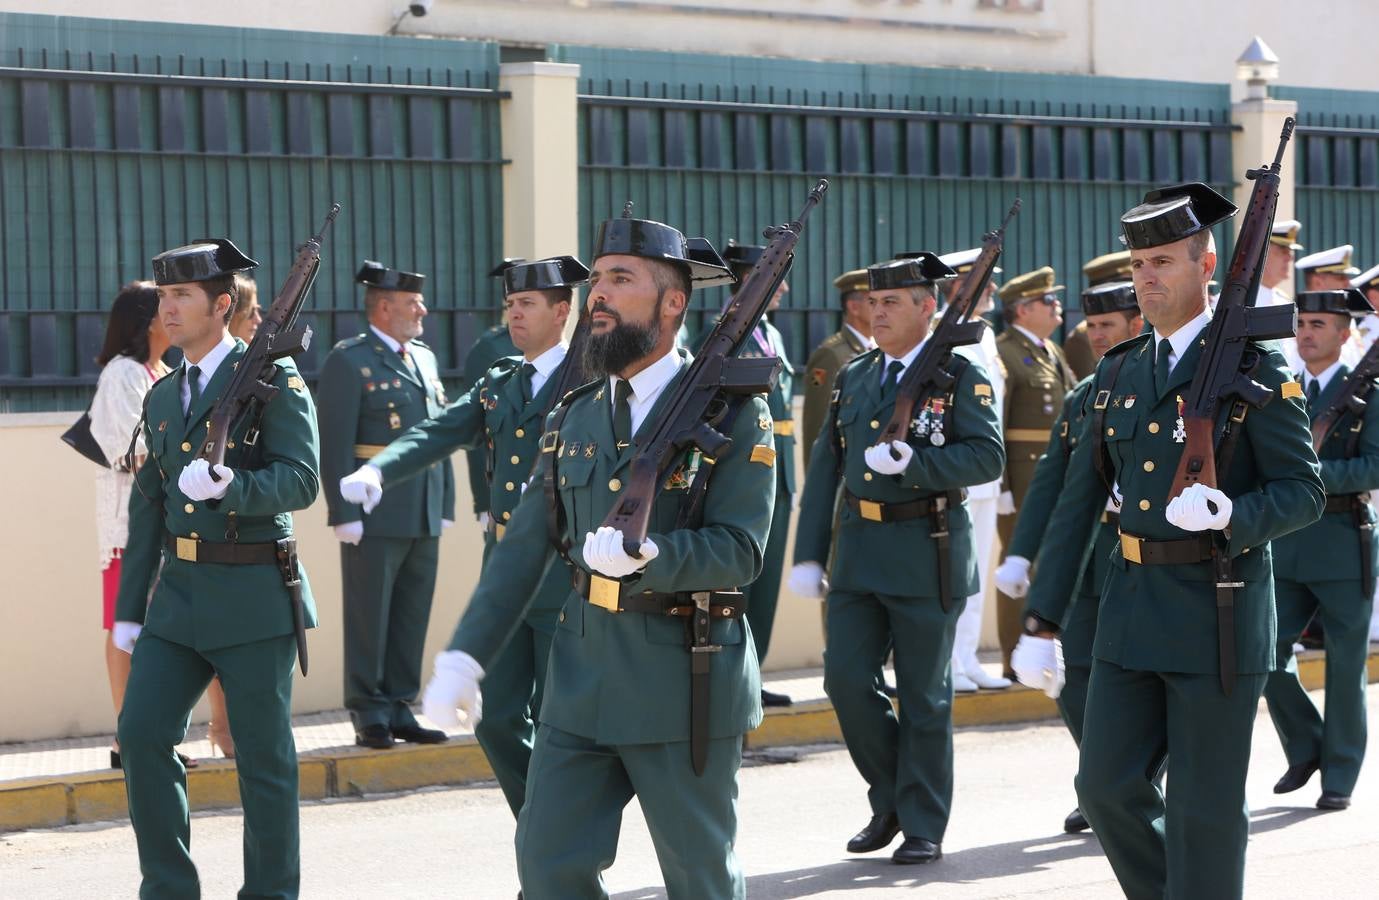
x=368, y=397
x=836, y=351
x=492, y=416
x=1329, y=550
x=1036, y=384
x=898, y=558
x=623, y=678
x=491, y=346
x=1163, y=618
x=780, y=402
x=1047, y=483
x=201, y=605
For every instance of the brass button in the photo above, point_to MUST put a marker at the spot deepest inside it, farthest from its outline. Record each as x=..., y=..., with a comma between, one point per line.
x=1153, y=427
x=186, y=446
x=1110, y=432
x=561, y=617
x=562, y=480
x=614, y=484
x=866, y=476
x=521, y=432
x=229, y=445
x=516, y=459
x=874, y=424
x=1144, y=504
x=195, y=536
x=510, y=486
x=506, y=516
x=1149, y=465
x=189, y=508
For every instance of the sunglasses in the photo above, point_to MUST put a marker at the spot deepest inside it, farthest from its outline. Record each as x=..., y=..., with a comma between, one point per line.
x=1047, y=300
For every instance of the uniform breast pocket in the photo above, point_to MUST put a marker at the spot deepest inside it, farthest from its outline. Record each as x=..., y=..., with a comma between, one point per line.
x=1118, y=435
x=385, y=400
x=572, y=480
x=847, y=421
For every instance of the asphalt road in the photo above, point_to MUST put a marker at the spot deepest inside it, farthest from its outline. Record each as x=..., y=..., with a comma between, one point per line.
x=797, y=810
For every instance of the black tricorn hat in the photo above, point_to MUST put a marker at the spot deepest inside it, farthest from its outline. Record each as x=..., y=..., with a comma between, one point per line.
x=1349, y=302
x=201, y=260
x=1172, y=213
x=741, y=257
x=507, y=263
x=376, y=275
x=918, y=269
x=656, y=240
x=544, y=274
x=1110, y=296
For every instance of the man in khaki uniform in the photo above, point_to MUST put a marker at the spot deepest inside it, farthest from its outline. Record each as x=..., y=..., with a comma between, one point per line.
x=1037, y=380
x=851, y=340
x=1077, y=347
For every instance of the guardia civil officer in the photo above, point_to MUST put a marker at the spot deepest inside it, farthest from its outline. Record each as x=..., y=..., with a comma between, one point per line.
x=1112, y=316
x=1327, y=569
x=493, y=344
x=373, y=387
x=1077, y=347
x=503, y=415
x=220, y=604
x=615, y=721
x=1157, y=687
x=904, y=564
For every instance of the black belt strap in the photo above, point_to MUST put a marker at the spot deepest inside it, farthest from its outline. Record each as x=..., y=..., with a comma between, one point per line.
x=723, y=604
x=1101, y=457
x=1186, y=552
x=1356, y=505
x=874, y=511
x=225, y=554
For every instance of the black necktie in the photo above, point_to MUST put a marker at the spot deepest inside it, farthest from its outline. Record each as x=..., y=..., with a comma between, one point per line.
x=622, y=413
x=1314, y=391
x=193, y=386
x=528, y=370
x=1161, y=367
x=892, y=378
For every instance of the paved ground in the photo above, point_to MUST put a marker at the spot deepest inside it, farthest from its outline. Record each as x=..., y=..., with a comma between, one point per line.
x=1004, y=841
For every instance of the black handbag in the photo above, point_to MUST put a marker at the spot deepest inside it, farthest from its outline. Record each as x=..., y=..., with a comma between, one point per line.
x=79, y=438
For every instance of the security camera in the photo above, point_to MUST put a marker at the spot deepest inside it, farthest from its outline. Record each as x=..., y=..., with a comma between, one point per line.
x=420, y=8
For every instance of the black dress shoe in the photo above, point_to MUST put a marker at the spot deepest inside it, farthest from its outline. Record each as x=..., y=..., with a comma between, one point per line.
x=878, y=834
x=1075, y=822
x=1333, y=800
x=1296, y=777
x=916, y=852
x=415, y=734
x=771, y=698
x=375, y=737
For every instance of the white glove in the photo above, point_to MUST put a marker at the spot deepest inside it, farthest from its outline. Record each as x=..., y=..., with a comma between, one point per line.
x=364, y=487
x=195, y=481
x=1190, y=511
x=124, y=634
x=807, y=580
x=879, y=458
x=349, y=532
x=1038, y=663
x=1005, y=504
x=604, y=553
x=484, y=519
x=446, y=523
x=454, y=685
x=1012, y=576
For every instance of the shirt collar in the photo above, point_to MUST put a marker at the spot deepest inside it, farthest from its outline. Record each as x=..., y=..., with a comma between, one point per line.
x=866, y=342
x=1038, y=342
x=1324, y=378
x=1181, y=339
x=652, y=379
x=212, y=360
x=904, y=360
x=547, y=362
x=388, y=339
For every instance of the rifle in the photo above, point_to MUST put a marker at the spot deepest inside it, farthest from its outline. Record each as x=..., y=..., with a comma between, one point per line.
x=572, y=374
x=929, y=374
x=702, y=399
x=1224, y=374
x=251, y=389
x=1352, y=398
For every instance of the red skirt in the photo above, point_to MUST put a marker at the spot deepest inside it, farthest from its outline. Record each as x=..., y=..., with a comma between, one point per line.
x=110, y=589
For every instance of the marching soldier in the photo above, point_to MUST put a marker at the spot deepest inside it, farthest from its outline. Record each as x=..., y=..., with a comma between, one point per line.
x=503, y=414
x=1327, y=569
x=763, y=593
x=904, y=523
x=1328, y=270
x=982, y=499
x=838, y=349
x=1112, y=316
x=1157, y=686
x=615, y=721
x=221, y=603
x=494, y=344
x=1037, y=380
x=1077, y=347
x=373, y=387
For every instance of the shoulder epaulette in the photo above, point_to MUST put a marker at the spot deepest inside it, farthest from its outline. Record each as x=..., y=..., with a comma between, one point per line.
x=1130, y=344
x=863, y=358
x=350, y=342
x=171, y=372
x=572, y=395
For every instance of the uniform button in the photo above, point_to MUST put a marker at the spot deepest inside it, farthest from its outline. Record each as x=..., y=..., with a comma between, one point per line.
x=614, y=484
x=506, y=516
x=195, y=536
x=1149, y=465
x=562, y=480
x=516, y=460
x=1144, y=505
x=229, y=445
x=509, y=485
x=186, y=446
x=521, y=432
x=390, y=405
x=189, y=509
x=874, y=424
x=561, y=617
x=1153, y=427
x=866, y=476
x=1110, y=432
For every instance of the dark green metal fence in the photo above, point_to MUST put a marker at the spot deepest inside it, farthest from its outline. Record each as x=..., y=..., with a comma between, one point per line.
x=118, y=141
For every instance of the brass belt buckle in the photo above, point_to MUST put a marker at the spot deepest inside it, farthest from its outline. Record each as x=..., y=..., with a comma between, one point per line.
x=186, y=549
x=870, y=510
x=604, y=592
x=1130, y=548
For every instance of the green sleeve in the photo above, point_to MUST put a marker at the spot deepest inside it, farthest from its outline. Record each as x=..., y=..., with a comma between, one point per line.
x=458, y=426
x=1359, y=472
x=338, y=390
x=139, y=562
x=976, y=454
x=815, y=522
x=290, y=476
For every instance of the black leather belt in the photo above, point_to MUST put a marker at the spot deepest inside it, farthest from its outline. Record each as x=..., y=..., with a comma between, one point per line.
x=874, y=511
x=227, y=554
x=1144, y=552
x=1346, y=502
x=614, y=596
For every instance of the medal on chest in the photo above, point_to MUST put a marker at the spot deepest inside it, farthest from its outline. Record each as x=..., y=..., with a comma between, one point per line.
x=394, y=420
x=1179, y=427
x=929, y=422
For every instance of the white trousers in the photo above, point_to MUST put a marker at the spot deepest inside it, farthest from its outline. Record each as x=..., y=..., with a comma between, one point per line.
x=969, y=630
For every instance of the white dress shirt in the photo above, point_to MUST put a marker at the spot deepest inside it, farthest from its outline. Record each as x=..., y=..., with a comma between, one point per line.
x=1181, y=339
x=207, y=366
x=905, y=361
x=647, y=386
x=1322, y=379
x=391, y=341
x=867, y=343
x=545, y=364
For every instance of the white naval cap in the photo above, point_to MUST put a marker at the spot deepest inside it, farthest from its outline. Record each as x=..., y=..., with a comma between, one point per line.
x=1365, y=280
x=961, y=261
x=1337, y=260
x=1285, y=234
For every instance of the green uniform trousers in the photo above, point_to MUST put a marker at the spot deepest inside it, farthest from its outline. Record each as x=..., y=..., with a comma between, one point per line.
x=763, y=594
x=1079, y=633
x=165, y=681
x=567, y=833
x=513, y=687
x=1338, y=739
x=388, y=583
x=1189, y=845
x=907, y=761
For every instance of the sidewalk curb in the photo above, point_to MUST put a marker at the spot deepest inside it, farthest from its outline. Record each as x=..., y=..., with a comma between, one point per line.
x=54, y=801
